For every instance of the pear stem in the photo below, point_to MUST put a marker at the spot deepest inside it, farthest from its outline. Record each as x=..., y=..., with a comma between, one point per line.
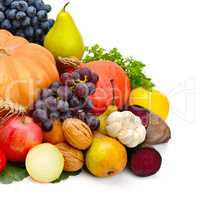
x=66, y=5
x=113, y=91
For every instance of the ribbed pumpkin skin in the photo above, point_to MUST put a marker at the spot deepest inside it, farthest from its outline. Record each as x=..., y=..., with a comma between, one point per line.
x=25, y=68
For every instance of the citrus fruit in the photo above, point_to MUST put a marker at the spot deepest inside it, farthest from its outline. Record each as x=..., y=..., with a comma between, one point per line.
x=153, y=100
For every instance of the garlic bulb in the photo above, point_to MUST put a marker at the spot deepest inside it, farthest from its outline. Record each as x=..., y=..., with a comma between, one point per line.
x=126, y=127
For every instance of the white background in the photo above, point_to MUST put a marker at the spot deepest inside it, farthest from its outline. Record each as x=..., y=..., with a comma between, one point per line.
x=164, y=34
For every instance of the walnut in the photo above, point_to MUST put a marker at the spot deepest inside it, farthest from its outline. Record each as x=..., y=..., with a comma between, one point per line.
x=73, y=158
x=77, y=133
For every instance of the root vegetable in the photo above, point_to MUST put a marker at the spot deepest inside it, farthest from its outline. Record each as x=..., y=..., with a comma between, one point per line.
x=158, y=131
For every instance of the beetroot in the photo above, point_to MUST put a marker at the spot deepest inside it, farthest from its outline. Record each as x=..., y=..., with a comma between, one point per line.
x=145, y=161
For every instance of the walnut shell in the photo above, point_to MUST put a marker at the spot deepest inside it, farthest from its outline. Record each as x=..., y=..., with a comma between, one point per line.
x=77, y=133
x=73, y=158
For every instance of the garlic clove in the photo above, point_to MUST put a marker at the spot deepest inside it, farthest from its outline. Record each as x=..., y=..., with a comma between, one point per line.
x=114, y=129
x=113, y=117
x=137, y=120
x=127, y=122
x=127, y=115
x=126, y=137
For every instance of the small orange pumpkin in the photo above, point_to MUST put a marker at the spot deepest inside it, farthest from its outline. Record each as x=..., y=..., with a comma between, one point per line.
x=25, y=68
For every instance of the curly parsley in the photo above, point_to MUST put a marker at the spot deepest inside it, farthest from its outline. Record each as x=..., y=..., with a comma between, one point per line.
x=133, y=68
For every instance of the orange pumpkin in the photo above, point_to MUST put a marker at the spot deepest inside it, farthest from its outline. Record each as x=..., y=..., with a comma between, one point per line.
x=25, y=68
x=111, y=76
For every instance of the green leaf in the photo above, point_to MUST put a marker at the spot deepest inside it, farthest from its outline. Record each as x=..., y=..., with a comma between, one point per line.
x=133, y=68
x=13, y=173
x=66, y=175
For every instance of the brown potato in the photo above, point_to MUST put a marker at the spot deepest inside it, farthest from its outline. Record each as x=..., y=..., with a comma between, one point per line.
x=157, y=131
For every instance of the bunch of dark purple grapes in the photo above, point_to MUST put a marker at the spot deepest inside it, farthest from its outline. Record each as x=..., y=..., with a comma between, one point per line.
x=26, y=18
x=67, y=99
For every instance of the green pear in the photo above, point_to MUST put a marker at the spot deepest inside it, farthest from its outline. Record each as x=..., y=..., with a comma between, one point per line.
x=64, y=38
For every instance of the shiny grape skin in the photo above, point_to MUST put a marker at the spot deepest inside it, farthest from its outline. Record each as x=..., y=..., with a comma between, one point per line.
x=51, y=103
x=81, y=115
x=74, y=102
x=92, y=88
x=54, y=86
x=88, y=105
x=54, y=115
x=39, y=104
x=45, y=93
x=63, y=92
x=85, y=73
x=93, y=122
x=47, y=125
x=81, y=90
x=69, y=98
x=29, y=14
x=76, y=75
x=65, y=77
x=62, y=106
x=39, y=115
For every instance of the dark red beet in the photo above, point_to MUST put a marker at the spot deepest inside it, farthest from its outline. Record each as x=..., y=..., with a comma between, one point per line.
x=145, y=161
x=142, y=113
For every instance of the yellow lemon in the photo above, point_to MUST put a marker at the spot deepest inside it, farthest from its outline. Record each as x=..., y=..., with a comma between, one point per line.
x=153, y=100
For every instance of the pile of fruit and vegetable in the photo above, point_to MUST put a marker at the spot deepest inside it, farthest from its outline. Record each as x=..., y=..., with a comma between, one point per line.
x=65, y=107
